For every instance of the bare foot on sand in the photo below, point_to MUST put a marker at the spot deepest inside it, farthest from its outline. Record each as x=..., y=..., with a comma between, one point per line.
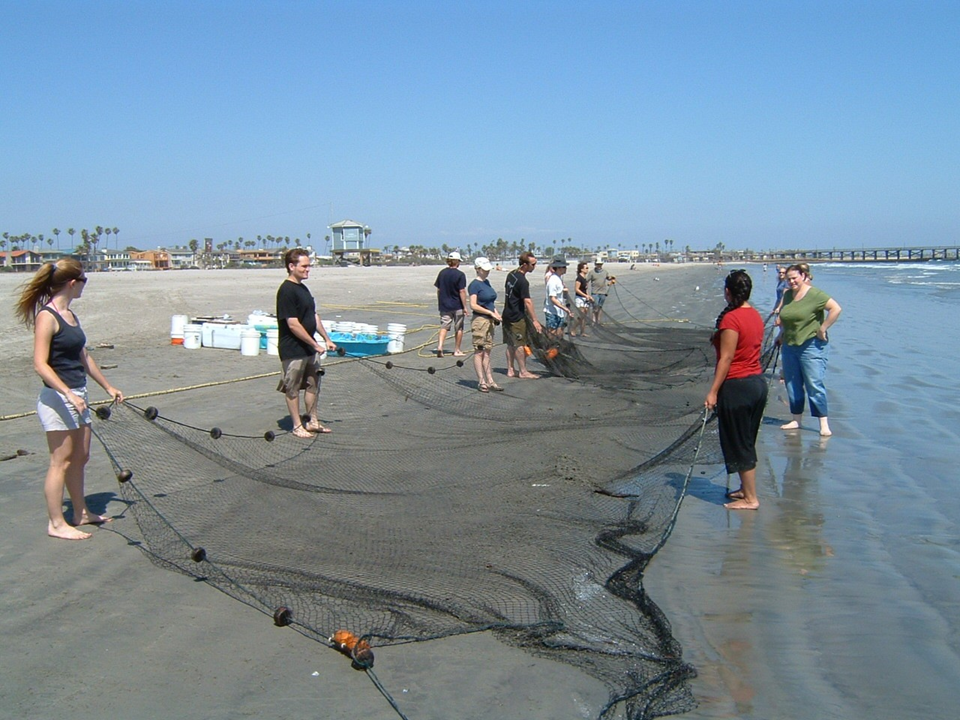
x=67, y=533
x=528, y=376
x=792, y=425
x=315, y=426
x=735, y=494
x=511, y=373
x=301, y=432
x=88, y=518
x=742, y=505
x=825, y=428
x=458, y=353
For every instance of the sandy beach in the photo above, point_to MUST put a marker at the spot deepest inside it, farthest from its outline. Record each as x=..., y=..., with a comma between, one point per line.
x=113, y=633
x=95, y=627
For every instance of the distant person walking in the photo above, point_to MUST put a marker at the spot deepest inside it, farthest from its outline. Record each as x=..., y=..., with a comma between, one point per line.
x=483, y=300
x=61, y=360
x=451, y=286
x=739, y=393
x=518, y=314
x=299, y=323
x=805, y=316
x=600, y=281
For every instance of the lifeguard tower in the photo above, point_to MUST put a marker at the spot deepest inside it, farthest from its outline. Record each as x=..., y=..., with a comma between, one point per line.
x=350, y=243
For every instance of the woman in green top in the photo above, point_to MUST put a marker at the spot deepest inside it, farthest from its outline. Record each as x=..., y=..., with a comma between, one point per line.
x=805, y=316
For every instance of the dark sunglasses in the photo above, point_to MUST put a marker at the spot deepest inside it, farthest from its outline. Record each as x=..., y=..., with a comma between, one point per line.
x=81, y=279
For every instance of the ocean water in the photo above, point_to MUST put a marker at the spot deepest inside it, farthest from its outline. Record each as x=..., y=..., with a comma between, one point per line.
x=840, y=598
x=888, y=490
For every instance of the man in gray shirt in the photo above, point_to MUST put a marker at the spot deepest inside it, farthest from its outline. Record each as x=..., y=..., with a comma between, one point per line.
x=600, y=281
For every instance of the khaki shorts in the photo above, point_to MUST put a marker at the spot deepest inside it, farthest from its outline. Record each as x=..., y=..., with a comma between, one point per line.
x=515, y=333
x=302, y=373
x=452, y=321
x=57, y=414
x=482, y=329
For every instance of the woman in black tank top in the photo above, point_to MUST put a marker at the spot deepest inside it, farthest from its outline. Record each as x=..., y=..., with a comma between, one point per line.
x=60, y=358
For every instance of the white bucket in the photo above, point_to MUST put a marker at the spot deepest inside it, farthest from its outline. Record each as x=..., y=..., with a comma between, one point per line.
x=176, y=329
x=191, y=336
x=250, y=342
x=395, y=331
x=273, y=341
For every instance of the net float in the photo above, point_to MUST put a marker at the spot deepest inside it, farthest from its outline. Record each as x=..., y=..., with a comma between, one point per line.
x=353, y=647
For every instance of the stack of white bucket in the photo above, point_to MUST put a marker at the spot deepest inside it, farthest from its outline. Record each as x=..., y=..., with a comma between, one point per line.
x=190, y=335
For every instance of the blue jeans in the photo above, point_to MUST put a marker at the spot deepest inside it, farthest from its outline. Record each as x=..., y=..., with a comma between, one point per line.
x=804, y=367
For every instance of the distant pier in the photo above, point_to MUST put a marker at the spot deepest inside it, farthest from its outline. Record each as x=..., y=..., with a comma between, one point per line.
x=950, y=253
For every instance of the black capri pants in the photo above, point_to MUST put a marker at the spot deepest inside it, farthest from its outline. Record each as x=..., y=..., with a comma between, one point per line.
x=740, y=406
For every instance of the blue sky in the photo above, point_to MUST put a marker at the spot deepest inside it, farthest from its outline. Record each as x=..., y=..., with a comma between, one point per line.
x=756, y=124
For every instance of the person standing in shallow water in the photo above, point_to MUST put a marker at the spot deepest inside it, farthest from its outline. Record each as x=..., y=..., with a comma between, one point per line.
x=299, y=322
x=806, y=313
x=61, y=360
x=738, y=392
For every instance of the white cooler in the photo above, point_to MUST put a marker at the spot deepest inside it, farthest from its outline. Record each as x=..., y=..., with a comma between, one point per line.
x=226, y=337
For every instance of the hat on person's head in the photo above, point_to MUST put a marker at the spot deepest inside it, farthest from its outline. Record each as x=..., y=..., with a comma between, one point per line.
x=598, y=261
x=454, y=256
x=483, y=263
x=558, y=262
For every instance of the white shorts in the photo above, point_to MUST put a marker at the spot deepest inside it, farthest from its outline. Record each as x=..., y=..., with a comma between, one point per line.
x=56, y=413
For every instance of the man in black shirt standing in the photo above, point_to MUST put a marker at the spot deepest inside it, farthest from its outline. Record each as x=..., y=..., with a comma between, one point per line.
x=517, y=312
x=298, y=322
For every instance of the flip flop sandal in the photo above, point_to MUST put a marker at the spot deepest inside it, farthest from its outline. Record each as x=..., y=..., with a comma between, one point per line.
x=483, y=387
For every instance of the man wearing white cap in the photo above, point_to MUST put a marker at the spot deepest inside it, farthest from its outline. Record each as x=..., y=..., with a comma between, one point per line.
x=600, y=281
x=555, y=312
x=451, y=287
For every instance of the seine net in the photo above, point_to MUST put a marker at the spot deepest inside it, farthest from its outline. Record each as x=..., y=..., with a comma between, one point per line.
x=435, y=510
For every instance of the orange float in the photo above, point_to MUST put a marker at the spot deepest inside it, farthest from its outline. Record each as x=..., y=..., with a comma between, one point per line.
x=353, y=647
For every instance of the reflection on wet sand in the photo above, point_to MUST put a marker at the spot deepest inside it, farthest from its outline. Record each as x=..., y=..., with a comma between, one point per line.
x=796, y=528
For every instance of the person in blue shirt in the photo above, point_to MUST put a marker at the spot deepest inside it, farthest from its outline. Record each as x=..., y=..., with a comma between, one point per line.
x=485, y=316
x=451, y=287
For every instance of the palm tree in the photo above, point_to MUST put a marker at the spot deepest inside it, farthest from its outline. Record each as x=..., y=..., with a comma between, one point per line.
x=3, y=247
x=116, y=231
x=70, y=232
x=366, y=235
x=95, y=240
x=56, y=233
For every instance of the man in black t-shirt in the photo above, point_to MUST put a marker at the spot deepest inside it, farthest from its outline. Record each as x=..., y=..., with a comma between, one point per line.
x=517, y=312
x=298, y=323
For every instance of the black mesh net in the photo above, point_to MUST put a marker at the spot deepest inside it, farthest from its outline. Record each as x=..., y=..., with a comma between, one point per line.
x=436, y=510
